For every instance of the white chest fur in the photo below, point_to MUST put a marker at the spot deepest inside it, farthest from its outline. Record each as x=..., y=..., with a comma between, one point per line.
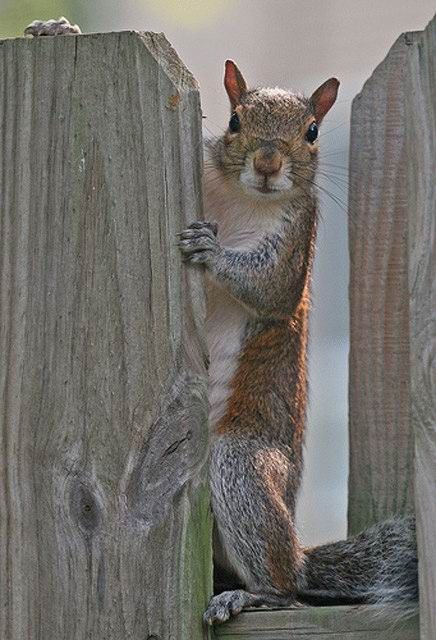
x=242, y=224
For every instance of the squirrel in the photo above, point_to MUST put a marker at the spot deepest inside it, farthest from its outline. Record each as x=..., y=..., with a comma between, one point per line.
x=257, y=255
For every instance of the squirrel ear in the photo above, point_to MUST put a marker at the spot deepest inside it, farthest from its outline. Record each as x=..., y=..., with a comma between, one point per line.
x=234, y=83
x=324, y=98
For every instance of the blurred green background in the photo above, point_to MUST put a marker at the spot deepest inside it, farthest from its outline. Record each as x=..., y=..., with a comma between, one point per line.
x=289, y=43
x=15, y=15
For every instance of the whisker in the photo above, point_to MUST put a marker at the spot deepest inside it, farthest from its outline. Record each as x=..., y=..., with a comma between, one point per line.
x=342, y=151
x=343, y=188
x=333, y=197
x=341, y=178
x=326, y=133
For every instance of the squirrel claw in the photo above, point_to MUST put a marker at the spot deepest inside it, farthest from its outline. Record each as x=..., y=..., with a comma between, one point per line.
x=201, y=224
x=199, y=243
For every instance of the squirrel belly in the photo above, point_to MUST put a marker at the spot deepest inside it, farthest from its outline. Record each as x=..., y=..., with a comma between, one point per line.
x=240, y=226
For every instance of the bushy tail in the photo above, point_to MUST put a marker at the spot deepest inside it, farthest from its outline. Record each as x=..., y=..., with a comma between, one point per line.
x=377, y=566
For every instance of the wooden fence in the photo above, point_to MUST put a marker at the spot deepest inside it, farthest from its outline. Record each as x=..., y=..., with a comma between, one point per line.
x=105, y=527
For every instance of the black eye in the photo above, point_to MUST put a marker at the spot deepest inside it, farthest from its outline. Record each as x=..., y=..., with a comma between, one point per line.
x=234, y=124
x=312, y=133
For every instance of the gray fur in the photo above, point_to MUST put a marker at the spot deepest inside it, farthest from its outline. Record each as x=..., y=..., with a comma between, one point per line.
x=256, y=277
x=234, y=473
x=377, y=566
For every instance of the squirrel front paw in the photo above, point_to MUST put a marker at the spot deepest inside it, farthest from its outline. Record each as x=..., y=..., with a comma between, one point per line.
x=58, y=27
x=198, y=243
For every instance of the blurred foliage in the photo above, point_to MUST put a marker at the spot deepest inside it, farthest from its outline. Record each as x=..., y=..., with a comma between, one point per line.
x=15, y=15
x=188, y=13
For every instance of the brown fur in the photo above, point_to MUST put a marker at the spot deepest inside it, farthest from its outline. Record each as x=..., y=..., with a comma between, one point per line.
x=271, y=368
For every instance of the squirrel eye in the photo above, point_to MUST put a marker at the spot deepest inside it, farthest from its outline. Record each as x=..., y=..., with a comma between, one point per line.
x=312, y=133
x=235, y=123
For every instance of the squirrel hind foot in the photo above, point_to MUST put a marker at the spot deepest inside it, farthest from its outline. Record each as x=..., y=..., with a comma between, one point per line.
x=231, y=603
x=59, y=27
x=225, y=605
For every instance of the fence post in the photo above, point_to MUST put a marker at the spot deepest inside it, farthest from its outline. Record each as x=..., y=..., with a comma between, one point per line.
x=105, y=523
x=381, y=437
x=392, y=235
x=420, y=129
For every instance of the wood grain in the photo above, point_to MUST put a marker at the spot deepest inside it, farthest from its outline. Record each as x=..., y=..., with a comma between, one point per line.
x=320, y=623
x=392, y=291
x=420, y=127
x=381, y=438
x=105, y=523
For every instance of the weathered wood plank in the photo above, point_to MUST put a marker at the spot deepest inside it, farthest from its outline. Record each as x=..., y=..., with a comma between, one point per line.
x=104, y=525
x=381, y=438
x=318, y=623
x=392, y=236
x=420, y=126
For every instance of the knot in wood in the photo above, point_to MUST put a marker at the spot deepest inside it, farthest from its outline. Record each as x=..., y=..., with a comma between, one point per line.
x=85, y=508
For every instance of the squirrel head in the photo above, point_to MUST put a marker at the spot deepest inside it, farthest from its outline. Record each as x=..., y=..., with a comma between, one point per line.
x=270, y=146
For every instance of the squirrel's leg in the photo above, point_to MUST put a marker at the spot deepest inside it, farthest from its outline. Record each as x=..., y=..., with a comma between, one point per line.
x=53, y=27
x=250, y=482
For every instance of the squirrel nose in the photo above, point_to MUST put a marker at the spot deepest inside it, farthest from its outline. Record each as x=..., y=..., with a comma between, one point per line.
x=267, y=162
